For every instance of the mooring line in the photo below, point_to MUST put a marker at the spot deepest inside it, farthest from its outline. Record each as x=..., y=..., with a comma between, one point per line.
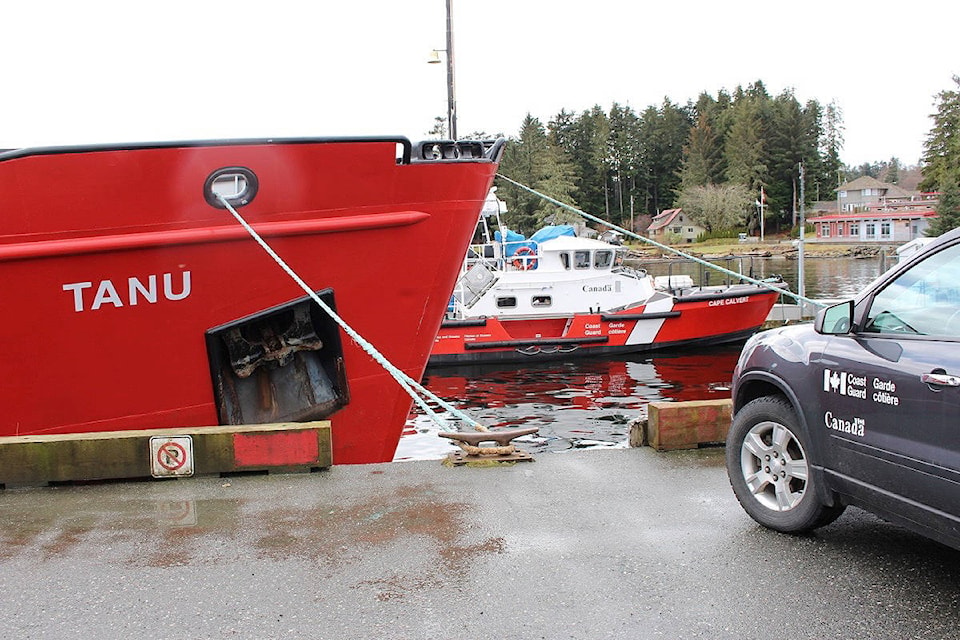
x=659, y=245
x=413, y=388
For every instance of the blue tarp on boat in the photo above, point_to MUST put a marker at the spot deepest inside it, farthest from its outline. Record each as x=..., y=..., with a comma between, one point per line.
x=513, y=241
x=516, y=240
x=553, y=231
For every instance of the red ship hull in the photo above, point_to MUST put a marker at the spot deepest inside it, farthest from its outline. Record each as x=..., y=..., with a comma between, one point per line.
x=117, y=274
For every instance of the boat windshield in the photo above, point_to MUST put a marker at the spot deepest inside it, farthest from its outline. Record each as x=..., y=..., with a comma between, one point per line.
x=603, y=259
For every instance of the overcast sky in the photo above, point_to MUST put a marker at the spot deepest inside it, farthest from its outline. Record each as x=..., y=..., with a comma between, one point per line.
x=102, y=71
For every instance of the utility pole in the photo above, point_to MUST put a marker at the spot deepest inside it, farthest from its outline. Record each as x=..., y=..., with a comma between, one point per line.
x=801, y=289
x=760, y=204
x=839, y=183
x=451, y=86
x=451, y=83
x=761, y=214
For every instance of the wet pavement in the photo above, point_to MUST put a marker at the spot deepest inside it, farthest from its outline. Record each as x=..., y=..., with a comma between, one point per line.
x=594, y=544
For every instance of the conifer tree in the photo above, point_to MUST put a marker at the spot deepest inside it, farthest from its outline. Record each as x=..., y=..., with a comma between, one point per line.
x=793, y=139
x=623, y=160
x=744, y=146
x=702, y=156
x=948, y=209
x=831, y=142
x=583, y=142
x=531, y=160
x=892, y=173
x=941, y=157
x=663, y=134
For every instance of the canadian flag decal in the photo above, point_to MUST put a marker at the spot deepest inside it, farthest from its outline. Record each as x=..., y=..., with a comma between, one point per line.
x=835, y=381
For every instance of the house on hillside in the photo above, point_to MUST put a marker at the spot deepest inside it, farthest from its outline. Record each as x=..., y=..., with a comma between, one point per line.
x=672, y=225
x=866, y=192
x=874, y=211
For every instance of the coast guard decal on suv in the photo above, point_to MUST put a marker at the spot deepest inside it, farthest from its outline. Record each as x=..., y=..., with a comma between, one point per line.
x=845, y=384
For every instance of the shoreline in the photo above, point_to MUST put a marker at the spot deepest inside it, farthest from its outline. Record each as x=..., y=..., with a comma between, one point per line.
x=781, y=249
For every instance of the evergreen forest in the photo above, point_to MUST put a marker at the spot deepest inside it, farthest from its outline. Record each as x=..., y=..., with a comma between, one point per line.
x=711, y=157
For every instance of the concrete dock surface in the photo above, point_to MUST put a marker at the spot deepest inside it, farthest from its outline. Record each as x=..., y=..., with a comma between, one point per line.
x=627, y=543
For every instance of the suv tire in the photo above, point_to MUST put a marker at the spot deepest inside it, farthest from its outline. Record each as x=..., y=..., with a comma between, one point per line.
x=770, y=471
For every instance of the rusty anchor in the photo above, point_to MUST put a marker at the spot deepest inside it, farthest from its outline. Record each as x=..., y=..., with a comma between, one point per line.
x=505, y=451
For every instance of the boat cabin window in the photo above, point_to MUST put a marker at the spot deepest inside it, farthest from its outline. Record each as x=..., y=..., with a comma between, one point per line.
x=602, y=259
x=506, y=302
x=581, y=259
x=565, y=260
x=541, y=301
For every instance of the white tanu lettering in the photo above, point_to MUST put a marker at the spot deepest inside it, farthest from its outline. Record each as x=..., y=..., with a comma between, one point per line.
x=137, y=290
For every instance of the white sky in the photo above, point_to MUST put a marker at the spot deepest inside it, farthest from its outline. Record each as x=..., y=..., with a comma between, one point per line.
x=105, y=71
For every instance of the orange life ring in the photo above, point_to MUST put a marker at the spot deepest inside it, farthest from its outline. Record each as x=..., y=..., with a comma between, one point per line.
x=521, y=262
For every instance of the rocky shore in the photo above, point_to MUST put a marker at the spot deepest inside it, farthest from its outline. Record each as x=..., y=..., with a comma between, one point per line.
x=784, y=249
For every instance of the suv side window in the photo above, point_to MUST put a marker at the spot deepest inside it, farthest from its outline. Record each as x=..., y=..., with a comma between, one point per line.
x=925, y=300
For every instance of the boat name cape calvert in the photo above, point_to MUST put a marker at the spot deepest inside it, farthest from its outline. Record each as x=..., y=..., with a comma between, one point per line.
x=137, y=301
x=557, y=295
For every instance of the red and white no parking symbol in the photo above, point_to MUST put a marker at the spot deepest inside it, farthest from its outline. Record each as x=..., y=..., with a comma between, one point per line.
x=171, y=456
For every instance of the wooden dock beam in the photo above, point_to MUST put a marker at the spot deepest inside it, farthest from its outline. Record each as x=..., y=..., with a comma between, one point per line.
x=42, y=459
x=687, y=425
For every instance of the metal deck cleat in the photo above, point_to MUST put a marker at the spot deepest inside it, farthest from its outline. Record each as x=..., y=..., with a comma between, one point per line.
x=504, y=451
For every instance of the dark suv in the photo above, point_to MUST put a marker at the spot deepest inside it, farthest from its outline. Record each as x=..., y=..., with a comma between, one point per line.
x=862, y=407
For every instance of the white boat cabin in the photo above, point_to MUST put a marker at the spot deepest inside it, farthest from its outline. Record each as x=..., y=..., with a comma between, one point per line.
x=561, y=276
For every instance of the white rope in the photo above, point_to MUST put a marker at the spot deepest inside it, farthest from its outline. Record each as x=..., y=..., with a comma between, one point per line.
x=664, y=247
x=411, y=386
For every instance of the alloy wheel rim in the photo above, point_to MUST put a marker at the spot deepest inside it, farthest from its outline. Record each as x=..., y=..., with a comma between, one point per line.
x=774, y=466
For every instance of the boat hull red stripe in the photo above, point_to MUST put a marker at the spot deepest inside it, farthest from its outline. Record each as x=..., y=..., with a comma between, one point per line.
x=608, y=317
x=148, y=240
x=501, y=344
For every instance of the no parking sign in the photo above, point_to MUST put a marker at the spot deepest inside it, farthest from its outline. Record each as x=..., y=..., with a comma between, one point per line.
x=171, y=456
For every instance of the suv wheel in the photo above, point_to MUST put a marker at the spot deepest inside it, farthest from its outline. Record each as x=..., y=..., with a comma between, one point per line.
x=769, y=469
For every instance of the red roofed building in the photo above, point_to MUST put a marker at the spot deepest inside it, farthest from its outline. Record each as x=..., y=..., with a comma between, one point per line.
x=872, y=226
x=874, y=211
x=672, y=225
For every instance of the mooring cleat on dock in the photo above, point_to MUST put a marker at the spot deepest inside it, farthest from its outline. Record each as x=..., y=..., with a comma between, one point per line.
x=470, y=441
x=502, y=437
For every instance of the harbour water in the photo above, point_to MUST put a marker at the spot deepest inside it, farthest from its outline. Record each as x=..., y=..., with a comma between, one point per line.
x=823, y=277
x=588, y=403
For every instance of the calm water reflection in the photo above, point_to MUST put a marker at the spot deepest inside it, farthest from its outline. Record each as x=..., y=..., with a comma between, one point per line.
x=823, y=277
x=579, y=402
